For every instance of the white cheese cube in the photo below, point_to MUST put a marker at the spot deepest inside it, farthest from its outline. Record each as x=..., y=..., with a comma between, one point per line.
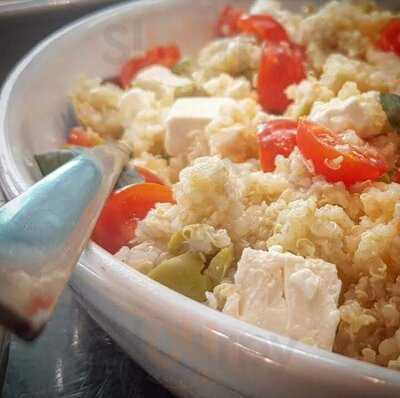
x=287, y=294
x=312, y=291
x=188, y=115
x=259, y=296
x=362, y=113
x=161, y=74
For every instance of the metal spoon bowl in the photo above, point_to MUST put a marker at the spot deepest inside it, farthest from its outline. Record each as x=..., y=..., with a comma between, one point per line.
x=44, y=231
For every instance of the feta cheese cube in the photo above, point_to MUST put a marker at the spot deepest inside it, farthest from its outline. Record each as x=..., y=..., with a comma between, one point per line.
x=188, y=115
x=259, y=296
x=312, y=291
x=161, y=74
x=361, y=113
x=287, y=294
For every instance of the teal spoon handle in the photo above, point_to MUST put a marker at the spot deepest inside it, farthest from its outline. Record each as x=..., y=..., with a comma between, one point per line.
x=44, y=231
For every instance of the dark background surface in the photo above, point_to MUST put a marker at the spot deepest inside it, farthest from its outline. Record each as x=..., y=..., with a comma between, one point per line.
x=73, y=357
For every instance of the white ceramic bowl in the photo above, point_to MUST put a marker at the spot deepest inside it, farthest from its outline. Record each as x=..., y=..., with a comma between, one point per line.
x=193, y=350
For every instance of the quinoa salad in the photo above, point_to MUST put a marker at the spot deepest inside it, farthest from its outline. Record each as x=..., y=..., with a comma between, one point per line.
x=266, y=166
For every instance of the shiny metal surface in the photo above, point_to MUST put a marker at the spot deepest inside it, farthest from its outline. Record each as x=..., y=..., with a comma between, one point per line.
x=44, y=231
x=75, y=358
x=4, y=343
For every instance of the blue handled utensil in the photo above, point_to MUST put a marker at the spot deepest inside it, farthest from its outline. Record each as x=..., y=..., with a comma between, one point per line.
x=44, y=231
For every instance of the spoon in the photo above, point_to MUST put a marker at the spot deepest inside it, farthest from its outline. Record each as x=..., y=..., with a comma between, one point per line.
x=44, y=231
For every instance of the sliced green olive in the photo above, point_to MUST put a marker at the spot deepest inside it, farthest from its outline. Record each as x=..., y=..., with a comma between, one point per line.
x=184, y=67
x=220, y=265
x=176, y=243
x=184, y=275
x=188, y=230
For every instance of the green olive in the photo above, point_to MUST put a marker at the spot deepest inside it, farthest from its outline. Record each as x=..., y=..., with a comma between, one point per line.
x=183, y=68
x=189, y=230
x=176, y=243
x=184, y=275
x=220, y=265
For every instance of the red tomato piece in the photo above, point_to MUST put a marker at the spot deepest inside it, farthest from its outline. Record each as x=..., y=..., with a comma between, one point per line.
x=124, y=208
x=396, y=177
x=336, y=160
x=389, y=39
x=80, y=137
x=227, y=24
x=277, y=137
x=281, y=66
x=130, y=69
x=149, y=176
x=167, y=56
x=264, y=27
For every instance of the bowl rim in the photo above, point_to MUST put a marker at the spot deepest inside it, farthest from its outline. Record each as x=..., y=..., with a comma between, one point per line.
x=13, y=184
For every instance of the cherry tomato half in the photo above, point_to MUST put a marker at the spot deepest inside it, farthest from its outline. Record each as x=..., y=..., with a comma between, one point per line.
x=389, y=39
x=124, y=208
x=277, y=137
x=264, y=27
x=167, y=56
x=227, y=24
x=281, y=66
x=80, y=137
x=336, y=160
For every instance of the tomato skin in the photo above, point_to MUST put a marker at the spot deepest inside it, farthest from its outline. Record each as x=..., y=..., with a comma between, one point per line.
x=227, y=24
x=321, y=146
x=277, y=137
x=264, y=27
x=149, y=176
x=233, y=21
x=389, y=39
x=281, y=66
x=79, y=137
x=396, y=177
x=129, y=70
x=167, y=56
x=124, y=208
